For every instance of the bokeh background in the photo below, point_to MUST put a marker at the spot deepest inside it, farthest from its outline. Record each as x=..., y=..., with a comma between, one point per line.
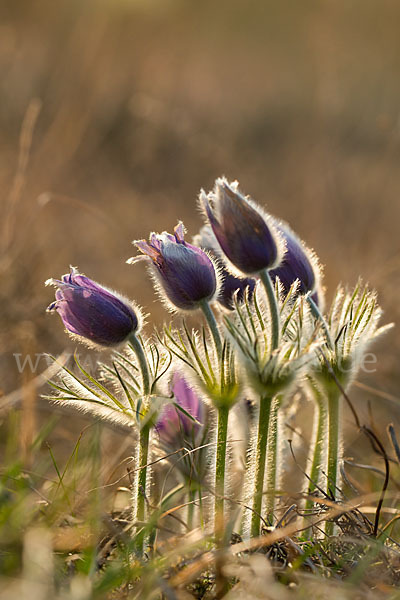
x=114, y=113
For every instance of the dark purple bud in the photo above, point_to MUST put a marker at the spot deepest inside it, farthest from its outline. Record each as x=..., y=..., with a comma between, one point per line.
x=247, y=237
x=91, y=311
x=298, y=263
x=230, y=284
x=173, y=424
x=185, y=273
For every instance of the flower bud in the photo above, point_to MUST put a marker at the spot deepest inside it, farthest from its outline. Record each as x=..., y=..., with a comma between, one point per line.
x=298, y=263
x=91, y=311
x=184, y=273
x=173, y=425
x=234, y=288
x=247, y=237
x=178, y=434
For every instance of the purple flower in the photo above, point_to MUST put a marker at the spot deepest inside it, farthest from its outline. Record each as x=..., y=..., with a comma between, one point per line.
x=91, y=311
x=247, y=237
x=177, y=431
x=184, y=272
x=173, y=424
x=298, y=263
x=230, y=284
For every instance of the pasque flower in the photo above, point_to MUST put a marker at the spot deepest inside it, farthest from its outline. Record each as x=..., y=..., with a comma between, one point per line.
x=91, y=311
x=299, y=263
x=173, y=423
x=184, y=273
x=176, y=431
x=231, y=285
x=247, y=236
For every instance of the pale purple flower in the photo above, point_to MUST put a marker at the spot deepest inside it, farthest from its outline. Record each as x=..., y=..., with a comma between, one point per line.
x=185, y=439
x=185, y=273
x=173, y=424
x=91, y=311
x=247, y=237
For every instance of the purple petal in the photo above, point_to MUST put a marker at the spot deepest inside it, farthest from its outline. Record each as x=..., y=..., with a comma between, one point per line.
x=232, y=285
x=95, y=316
x=186, y=396
x=148, y=249
x=241, y=231
x=90, y=311
x=179, y=232
x=295, y=265
x=173, y=422
x=187, y=274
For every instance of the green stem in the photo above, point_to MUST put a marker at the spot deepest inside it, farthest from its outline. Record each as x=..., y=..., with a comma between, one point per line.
x=248, y=478
x=220, y=461
x=318, y=443
x=144, y=435
x=140, y=512
x=272, y=460
x=222, y=432
x=317, y=452
x=212, y=323
x=260, y=459
x=334, y=441
x=274, y=308
x=137, y=347
x=318, y=315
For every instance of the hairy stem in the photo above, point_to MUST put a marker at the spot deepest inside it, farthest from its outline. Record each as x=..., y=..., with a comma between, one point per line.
x=144, y=435
x=212, y=324
x=137, y=347
x=140, y=507
x=220, y=461
x=318, y=444
x=260, y=460
x=272, y=460
x=222, y=432
x=334, y=448
x=274, y=308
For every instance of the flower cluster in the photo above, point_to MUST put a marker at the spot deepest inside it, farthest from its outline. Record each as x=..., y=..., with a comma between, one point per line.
x=263, y=337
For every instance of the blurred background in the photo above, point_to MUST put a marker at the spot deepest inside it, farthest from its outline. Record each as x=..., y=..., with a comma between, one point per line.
x=114, y=113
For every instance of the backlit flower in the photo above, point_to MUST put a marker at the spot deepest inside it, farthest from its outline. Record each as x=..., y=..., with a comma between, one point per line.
x=91, y=311
x=174, y=424
x=246, y=235
x=298, y=263
x=185, y=440
x=185, y=273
